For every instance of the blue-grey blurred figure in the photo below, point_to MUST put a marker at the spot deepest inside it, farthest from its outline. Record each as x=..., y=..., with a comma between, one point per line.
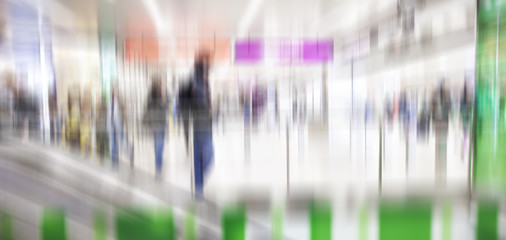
x=26, y=113
x=466, y=115
x=116, y=123
x=155, y=117
x=441, y=107
x=6, y=103
x=195, y=100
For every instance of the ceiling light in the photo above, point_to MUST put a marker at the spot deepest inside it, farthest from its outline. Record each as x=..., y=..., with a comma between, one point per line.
x=155, y=14
x=251, y=11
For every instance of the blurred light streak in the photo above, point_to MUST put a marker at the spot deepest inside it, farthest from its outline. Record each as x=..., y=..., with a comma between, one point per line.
x=155, y=15
x=246, y=21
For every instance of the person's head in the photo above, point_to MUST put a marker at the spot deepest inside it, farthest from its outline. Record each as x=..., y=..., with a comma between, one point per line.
x=202, y=63
x=156, y=87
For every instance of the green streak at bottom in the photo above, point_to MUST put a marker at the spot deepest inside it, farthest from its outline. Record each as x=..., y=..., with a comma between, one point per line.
x=277, y=223
x=190, y=231
x=6, y=227
x=234, y=223
x=321, y=221
x=53, y=225
x=487, y=221
x=100, y=225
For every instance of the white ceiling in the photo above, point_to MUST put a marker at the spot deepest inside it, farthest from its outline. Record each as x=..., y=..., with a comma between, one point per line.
x=227, y=18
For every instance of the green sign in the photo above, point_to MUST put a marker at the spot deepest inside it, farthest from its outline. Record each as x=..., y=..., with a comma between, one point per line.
x=490, y=129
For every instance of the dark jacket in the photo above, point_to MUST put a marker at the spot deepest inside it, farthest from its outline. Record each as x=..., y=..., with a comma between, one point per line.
x=194, y=100
x=155, y=116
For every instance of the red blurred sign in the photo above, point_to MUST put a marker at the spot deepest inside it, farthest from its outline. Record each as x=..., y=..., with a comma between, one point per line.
x=149, y=48
x=145, y=48
x=186, y=48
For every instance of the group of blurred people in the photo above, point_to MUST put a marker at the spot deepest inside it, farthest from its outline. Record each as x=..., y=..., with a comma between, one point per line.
x=430, y=111
x=74, y=126
x=194, y=110
x=19, y=110
x=423, y=114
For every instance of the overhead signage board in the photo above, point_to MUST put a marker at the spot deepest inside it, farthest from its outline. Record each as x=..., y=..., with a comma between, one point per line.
x=283, y=51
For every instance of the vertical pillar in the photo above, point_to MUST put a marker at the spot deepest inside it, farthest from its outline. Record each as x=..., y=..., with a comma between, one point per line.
x=47, y=80
x=108, y=73
x=489, y=172
x=31, y=45
x=107, y=41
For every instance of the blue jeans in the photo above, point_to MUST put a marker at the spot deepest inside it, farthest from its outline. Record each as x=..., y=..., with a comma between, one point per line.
x=159, y=136
x=203, y=156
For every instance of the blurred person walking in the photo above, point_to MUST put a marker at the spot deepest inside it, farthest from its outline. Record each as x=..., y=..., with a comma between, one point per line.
x=26, y=114
x=6, y=104
x=423, y=124
x=155, y=117
x=53, y=118
x=85, y=124
x=183, y=113
x=117, y=116
x=101, y=135
x=441, y=107
x=195, y=101
x=466, y=115
x=72, y=128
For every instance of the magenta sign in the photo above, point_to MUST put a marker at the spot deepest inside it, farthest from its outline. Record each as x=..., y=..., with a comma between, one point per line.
x=284, y=51
x=249, y=51
x=314, y=51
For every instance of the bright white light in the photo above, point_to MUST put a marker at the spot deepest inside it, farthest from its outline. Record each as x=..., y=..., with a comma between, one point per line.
x=155, y=14
x=221, y=73
x=251, y=11
x=146, y=197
